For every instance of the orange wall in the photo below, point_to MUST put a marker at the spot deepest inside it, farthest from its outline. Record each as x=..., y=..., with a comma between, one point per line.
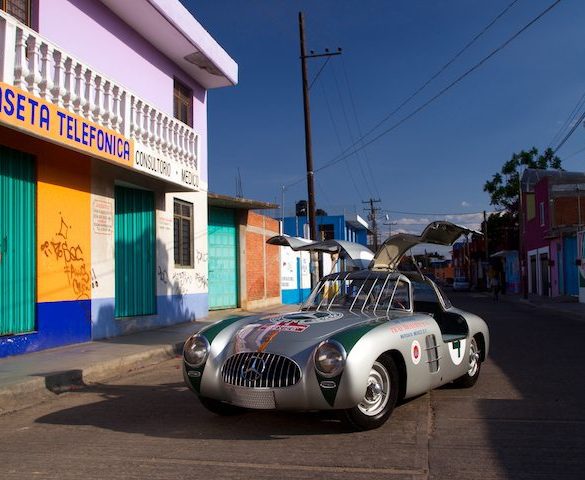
x=63, y=218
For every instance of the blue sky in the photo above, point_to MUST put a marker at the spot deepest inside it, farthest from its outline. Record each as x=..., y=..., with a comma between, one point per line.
x=436, y=162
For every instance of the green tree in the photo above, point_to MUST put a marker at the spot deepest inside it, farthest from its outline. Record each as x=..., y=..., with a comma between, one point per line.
x=504, y=187
x=504, y=192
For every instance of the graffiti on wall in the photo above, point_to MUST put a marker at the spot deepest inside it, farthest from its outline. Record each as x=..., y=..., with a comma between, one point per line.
x=67, y=253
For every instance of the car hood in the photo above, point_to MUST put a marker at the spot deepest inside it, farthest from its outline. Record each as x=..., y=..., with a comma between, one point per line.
x=290, y=333
x=438, y=233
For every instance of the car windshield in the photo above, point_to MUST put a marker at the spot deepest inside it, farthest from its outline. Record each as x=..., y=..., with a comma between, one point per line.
x=359, y=291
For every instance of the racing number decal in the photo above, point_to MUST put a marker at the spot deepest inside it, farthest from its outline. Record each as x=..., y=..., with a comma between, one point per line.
x=415, y=352
x=457, y=351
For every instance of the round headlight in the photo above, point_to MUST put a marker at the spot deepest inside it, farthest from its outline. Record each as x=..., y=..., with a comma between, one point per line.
x=330, y=358
x=196, y=350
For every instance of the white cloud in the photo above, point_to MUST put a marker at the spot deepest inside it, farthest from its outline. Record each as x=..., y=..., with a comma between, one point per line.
x=465, y=204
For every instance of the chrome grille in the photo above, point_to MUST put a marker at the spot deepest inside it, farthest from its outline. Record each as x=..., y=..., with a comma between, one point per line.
x=260, y=370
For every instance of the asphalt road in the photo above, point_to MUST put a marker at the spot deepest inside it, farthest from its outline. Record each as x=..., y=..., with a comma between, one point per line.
x=525, y=418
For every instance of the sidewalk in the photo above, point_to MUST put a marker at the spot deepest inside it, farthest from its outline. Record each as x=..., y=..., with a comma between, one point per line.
x=562, y=304
x=29, y=379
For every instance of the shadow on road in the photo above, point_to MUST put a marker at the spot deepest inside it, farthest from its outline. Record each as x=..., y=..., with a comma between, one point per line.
x=172, y=411
x=533, y=407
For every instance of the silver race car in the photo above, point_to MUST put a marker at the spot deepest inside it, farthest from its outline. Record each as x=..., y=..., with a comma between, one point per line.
x=363, y=341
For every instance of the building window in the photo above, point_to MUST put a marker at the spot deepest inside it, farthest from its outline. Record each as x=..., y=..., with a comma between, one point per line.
x=530, y=206
x=20, y=9
x=183, y=103
x=183, y=233
x=541, y=212
x=327, y=231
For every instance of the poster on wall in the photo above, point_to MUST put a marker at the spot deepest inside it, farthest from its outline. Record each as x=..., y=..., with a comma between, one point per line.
x=288, y=276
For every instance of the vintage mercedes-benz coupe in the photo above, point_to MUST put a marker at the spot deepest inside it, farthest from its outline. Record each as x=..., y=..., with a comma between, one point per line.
x=363, y=341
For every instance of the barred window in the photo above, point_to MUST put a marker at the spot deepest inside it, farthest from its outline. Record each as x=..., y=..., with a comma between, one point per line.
x=183, y=233
x=183, y=103
x=20, y=9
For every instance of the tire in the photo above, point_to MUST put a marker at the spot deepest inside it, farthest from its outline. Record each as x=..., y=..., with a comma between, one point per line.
x=221, y=408
x=468, y=380
x=379, y=399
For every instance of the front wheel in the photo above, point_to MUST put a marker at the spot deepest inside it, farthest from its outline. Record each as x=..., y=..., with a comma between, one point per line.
x=379, y=399
x=468, y=380
x=220, y=408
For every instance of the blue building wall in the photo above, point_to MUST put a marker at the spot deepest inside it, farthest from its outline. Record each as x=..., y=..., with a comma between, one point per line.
x=294, y=226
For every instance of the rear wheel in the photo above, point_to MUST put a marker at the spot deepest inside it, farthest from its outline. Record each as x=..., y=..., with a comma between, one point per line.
x=468, y=380
x=220, y=408
x=379, y=399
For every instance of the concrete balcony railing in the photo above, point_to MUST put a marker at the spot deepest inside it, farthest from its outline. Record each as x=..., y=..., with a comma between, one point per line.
x=33, y=64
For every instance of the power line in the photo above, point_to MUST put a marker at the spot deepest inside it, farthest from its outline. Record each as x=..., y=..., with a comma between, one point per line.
x=569, y=120
x=359, y=128
x=443, y=214
x=332, y=118
x=438, y=72
x=436, y=96
x=446, y=89
x=570, y=132
x=350, y=132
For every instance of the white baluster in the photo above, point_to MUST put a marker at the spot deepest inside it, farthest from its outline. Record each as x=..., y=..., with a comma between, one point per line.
x=107, y=104
x=89, y=93
x=127, y=114
x=145, y=123
x=165, y=136
x=175, y=142
x=78, y=99
x=34, y=71
x=46, y=83
x=69, y=84
x=115, y=118
x=158, y=132
x=96, y=111
x=21, y=61
x=59, y=73
x=137, y=123
x=152, y=127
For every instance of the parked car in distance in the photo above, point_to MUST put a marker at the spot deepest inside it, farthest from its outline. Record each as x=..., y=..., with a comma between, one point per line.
x=461, y=284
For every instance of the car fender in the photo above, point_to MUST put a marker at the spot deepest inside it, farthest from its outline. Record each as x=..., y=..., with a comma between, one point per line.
x=398, y=337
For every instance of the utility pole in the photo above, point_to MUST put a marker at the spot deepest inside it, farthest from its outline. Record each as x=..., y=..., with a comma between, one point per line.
x=389, y=224
x=308, y=143
x=372, y=216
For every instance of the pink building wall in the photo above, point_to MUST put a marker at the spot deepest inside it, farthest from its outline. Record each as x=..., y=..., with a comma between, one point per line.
x=120, y=53
x=534, y=233
x=555, y=255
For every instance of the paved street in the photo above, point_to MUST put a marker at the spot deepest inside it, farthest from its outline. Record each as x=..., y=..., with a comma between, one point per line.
x=524, y=419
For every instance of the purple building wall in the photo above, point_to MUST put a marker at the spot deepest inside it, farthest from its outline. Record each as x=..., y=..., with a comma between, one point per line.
x=534, y=233
x=120, y=53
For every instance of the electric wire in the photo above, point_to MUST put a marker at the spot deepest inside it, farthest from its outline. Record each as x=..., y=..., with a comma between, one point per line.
x=440, y=93
x=441, y=70
x=447, y=88
x=569, y=120
x=359, y=128
x=350, y=132
x=334, y=124
x=570, y=132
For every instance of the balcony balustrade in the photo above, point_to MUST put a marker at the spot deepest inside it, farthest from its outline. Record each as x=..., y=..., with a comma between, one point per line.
x=33, y=64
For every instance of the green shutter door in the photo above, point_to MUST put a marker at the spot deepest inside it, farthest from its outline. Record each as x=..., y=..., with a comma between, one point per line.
x=17, y=242
x=223, y=259
x=135, y=253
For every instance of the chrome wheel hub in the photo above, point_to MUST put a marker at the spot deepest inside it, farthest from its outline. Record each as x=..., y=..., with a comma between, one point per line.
x=376, y=396
x=473, y=358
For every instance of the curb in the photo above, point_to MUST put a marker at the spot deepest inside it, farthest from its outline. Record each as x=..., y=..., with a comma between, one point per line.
x=42, y=388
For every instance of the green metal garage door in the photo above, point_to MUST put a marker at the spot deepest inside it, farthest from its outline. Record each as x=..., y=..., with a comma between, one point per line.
x=17, y=242
x=223, y=259
x=135, y=253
